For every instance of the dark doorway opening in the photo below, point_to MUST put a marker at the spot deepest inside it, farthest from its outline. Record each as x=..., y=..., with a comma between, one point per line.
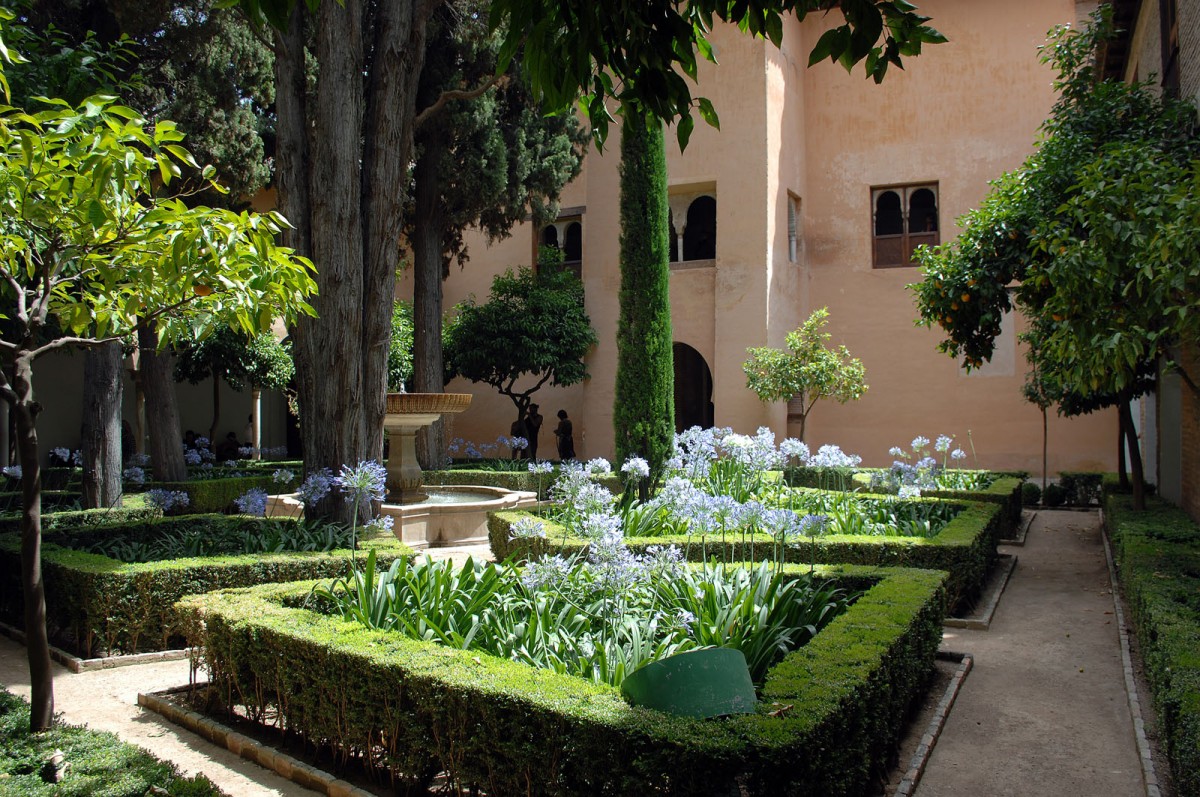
x=693, y=389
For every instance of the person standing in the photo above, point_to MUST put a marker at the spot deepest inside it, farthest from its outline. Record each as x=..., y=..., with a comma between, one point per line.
x=566, y=437
x=533, y=425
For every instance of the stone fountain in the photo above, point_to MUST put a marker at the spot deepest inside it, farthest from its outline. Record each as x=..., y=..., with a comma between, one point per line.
x=434, y=516
x=425, y=516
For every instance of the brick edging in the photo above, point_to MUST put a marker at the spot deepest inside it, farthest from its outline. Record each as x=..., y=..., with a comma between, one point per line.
x=984, y=621
x=78, y=665
x=241, y=745
x=916, y=765
x=1149, y=776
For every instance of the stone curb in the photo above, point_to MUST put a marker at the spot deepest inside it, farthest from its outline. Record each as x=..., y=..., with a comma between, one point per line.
x=241, y=745
x=78, y=665
x=1027, y=517
x=1149, y=776
x=916, y=765
x=984, y=621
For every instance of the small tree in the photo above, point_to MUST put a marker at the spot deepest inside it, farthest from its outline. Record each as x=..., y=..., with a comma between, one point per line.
x=90, y=238
x=534, y=324
x=400, y=348
x=808, y=371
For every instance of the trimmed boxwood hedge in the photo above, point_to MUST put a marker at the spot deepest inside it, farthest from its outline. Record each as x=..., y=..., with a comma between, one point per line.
x=965, y=547
x=10, y=522
x=830, y=716
x=218, y=495
x=111, y=607
x=1158, y=560
x=1005, y=489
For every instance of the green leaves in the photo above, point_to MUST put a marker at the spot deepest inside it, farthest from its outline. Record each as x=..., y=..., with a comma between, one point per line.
x=808, y=370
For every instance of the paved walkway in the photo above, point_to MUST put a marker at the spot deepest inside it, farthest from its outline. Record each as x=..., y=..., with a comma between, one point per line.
x=1043, y=712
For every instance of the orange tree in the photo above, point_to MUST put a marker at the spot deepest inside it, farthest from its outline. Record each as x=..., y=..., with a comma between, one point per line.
x=96, y=241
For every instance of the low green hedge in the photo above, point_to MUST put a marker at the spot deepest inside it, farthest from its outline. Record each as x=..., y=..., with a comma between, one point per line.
x=1005, y=488
x=1158, y=560
x=11, y=499
x=107, y=606
x=218, y=495
x=10, y=522
x=829, y=720
x=100, y=763
x=965, y=547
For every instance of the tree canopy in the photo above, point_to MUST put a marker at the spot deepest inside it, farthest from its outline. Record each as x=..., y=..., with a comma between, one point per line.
x=807, y=371
x=533, y=325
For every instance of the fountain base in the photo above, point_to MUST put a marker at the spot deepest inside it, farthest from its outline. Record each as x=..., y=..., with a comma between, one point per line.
x=450, y=515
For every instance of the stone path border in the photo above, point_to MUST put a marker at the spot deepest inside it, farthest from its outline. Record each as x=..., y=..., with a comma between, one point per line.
x=1022, y=529
x=77, y=665
x=920, y=757
x=982, y=620
x=1149, y=776
x=239, y=744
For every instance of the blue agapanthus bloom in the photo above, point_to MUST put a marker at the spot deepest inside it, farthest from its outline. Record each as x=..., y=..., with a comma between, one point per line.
x=365, y=481
x=167, y=500
x=316, y=486
x=636, y=467
x=134, y=475
x=254, y=502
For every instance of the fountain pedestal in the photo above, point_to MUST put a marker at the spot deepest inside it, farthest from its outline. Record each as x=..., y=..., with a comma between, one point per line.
x=408, y=413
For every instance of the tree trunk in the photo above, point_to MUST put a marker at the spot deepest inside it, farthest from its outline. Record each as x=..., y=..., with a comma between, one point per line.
x=644, y=409
x=1137, y=477
x=1122, y=434
x=216, y=402
x=162, y=413
x=101, y=432
x=342, y=160
x=255, y=440
x=428, y=362
x=37, y=643
x=1045, y=447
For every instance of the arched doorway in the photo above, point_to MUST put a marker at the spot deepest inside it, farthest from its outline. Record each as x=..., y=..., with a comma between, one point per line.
x=693, y=389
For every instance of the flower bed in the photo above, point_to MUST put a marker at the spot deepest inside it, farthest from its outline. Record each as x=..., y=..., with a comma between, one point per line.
x=965, y=547
x=104, y=605
x=1158, y=559
x=829, y=718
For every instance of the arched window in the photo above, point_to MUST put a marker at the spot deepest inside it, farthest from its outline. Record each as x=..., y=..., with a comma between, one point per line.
x=700, y=235
x=905, y=217
x=573, y=244
x=550, y=236
x=674, y=236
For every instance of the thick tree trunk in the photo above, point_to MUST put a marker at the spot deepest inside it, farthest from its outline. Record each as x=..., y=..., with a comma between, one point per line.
x=1137, y=476
x=162, y=414
x=101, y=432
x=37, y=643
x=347, y=157
x=428, y=370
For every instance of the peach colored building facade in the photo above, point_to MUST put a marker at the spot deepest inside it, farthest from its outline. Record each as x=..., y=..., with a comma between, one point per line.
x=809, y=173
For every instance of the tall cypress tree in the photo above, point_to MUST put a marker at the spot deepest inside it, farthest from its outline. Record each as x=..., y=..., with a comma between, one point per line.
x=644, y=411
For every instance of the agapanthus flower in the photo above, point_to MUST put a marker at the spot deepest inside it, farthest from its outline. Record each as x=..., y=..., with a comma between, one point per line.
x=191, y=456
x=919, y=442
x=547, y=573
x=245, y=452
x=599, y=466
x=253, y=502
x=897, y=451
x=527, y=528
x=282, y=476
x=382, y=523
x=518, y=443
x=77, y=459
x=540, y=467
x=12, y=471
x=943, y=443
x=795, y=449
x=134, y=475
x=958, y=453
x=316, y=486
x=62, y=454
x=167, y=500
x=365, y=481
x=910, y=491
x=636, y=467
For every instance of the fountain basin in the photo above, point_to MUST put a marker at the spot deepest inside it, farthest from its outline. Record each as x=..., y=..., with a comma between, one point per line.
x=454, y=515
